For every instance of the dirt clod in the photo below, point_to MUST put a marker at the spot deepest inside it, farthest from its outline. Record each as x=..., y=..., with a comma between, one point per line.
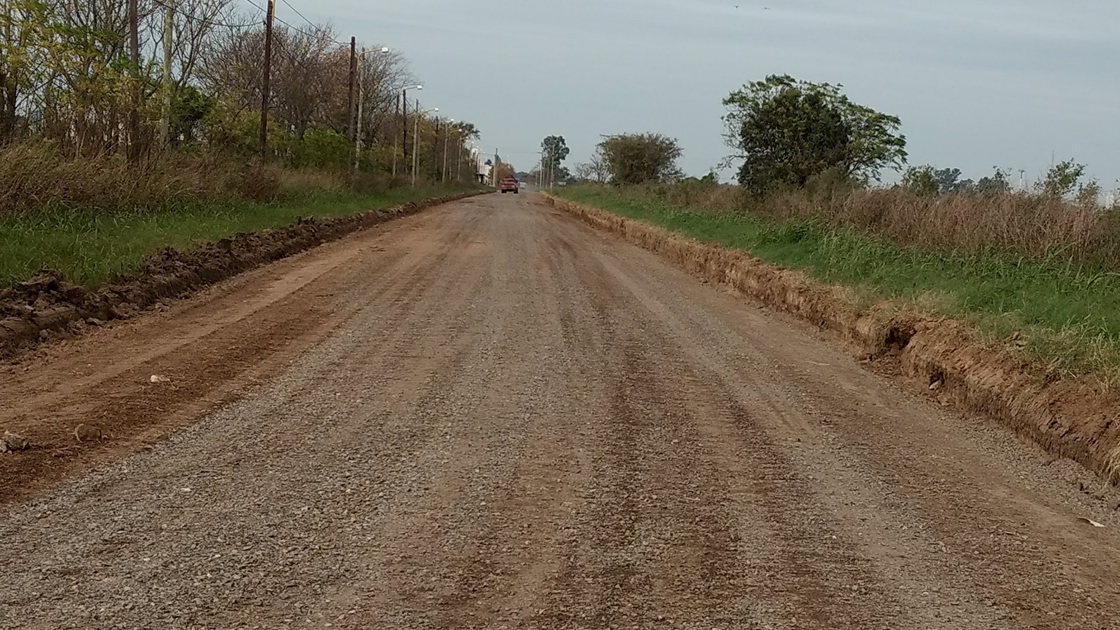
x=87, y=433
x=11, y=443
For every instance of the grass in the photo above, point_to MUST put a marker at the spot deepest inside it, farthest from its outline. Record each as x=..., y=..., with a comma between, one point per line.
x=1069, y=316
x=92, y=248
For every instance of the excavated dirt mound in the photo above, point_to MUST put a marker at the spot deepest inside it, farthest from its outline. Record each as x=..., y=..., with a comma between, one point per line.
x=46, y=304
x=1067, y=418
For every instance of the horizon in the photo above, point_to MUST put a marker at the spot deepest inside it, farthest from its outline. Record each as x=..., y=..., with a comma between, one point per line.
x=965, y=80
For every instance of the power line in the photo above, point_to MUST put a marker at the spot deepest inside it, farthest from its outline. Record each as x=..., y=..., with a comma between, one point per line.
x=195, y=18
x=297, y=29
x=296, y=11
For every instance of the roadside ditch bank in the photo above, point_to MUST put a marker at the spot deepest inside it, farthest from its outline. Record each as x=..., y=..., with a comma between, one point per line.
x=46, y=305
x=1068, y=419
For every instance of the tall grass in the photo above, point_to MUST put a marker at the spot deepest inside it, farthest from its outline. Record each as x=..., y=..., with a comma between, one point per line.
x=1035, y=227
x=92, y=248
x=1066, y=312
x=37, y=177
x=96, y=218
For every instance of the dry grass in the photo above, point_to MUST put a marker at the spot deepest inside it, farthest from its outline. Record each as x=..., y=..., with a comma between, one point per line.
x=1021, y=225
x=36, y=176
x=1033, y=227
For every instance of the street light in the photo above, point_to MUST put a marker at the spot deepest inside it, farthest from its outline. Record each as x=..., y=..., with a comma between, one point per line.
x=358, y=129
x=416, y=140
x=402, y=98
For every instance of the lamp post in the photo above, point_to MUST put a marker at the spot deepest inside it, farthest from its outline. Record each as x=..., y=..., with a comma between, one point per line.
x=402, y=98
x=416, y=140
x=358, y=125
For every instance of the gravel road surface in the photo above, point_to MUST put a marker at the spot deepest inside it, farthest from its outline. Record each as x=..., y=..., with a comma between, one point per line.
x=490, y=416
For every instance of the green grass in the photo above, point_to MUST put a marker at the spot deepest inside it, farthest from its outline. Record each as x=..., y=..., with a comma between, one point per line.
x=93, y=248
x=1070, y=318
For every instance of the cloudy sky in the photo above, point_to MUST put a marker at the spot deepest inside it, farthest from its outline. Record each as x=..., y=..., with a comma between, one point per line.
x=977, y=83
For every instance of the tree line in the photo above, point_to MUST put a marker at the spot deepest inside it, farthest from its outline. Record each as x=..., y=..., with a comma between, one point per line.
x=67, y=76
x=788, y=134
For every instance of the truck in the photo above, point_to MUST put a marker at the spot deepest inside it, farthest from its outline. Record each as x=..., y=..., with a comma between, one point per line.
x=509, y=184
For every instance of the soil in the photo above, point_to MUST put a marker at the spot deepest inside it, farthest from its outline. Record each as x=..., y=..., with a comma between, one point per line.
x=47, y=305
x=1070, y=418
x=490, y=415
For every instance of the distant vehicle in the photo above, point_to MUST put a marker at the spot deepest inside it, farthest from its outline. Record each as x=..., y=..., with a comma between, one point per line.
x=521, y=185
x=509, y=184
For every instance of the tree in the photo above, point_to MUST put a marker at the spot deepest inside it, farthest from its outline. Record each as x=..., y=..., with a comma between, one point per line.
x=554, y=151
x=997, y=184
x=1089, y=195
x=922, y=180
x=593, y=170
x=788, y=132
x=641, y=158
x=949, y=181
x=1061, y=179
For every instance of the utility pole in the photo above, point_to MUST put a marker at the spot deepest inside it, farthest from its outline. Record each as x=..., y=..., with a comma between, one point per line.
x=404, y=126
x=353, y=78
x=357, y=127
x=458, y=158
x=134, y=115
x=435, y=147
x=416, y=147
x=446, y=137
x=396, y=112
x=165, y=116
x=264, y=82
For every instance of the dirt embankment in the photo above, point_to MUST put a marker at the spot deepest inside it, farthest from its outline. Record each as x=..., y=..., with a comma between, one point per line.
x=47, y=304
x=1067, y=418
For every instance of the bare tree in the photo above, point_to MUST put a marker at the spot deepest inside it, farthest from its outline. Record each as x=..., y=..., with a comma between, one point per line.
x=594, y=170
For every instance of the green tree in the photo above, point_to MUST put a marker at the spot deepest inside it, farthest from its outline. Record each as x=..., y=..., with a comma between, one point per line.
x=1061, y=179
x=554, y=150
x=641, y=158
x=922, y=180
x=788, y=132
x=949, y=181
x=998, y=183
x=1089, y=195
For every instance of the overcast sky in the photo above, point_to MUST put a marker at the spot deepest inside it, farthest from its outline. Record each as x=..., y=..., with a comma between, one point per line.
x=977, y=83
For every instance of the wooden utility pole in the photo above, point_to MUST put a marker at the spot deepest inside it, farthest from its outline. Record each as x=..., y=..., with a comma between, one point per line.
x=353, y=83
x=416, y=142
x=165, y=115
x=435, y=147
x=134, y=115
x=264, y=81
x=396, y=136
x=404, y=125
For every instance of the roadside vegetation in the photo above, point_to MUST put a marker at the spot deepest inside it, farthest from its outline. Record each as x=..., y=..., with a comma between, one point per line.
x=103, y=160
x=1036, y=269
x=93, y=248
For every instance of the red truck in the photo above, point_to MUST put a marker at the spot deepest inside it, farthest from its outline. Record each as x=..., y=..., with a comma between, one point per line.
x=509, y=183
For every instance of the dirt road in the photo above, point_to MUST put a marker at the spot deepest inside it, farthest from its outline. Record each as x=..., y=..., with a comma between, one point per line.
x=489, y=416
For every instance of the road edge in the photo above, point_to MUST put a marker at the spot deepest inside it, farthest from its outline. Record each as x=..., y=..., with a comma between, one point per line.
x=1067, y=419
x=47, y=304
